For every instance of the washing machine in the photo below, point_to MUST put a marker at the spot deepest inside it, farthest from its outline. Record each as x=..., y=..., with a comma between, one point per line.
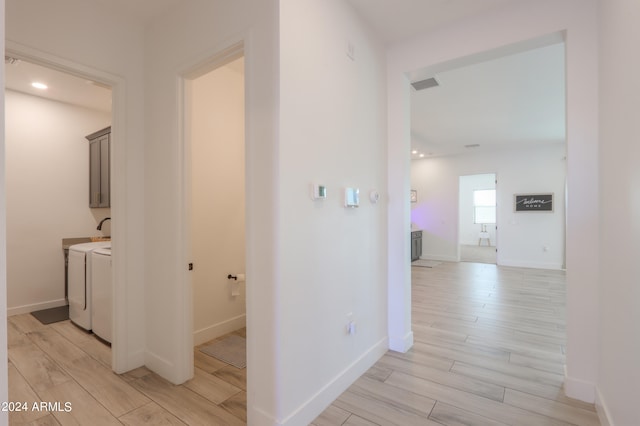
x=101, y=293
x=80, y=282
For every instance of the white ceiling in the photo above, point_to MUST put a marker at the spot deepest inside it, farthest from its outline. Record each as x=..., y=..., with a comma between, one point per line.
x=63, y=87
x=515, y=99
x=512, y=101
x=396, y=20
x=142, y=10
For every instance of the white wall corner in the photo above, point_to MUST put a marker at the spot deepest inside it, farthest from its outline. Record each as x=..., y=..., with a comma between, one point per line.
x=258, y=417
x=161, y=367
x=601, y=408
x=579, y=389
x=315, y=405
x=401, y=344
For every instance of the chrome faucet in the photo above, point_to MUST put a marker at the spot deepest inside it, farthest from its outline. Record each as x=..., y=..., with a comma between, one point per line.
x=101, y=222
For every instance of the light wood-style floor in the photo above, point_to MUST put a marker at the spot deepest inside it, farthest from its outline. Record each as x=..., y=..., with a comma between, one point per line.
x=489, y=350
x=62, y=363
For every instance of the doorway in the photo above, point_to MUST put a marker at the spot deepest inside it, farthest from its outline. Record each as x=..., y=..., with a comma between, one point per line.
x=47, y=155
x=477, y=218
x=214, y=174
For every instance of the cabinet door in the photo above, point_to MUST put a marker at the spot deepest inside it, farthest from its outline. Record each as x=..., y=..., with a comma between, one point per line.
x=99, y=172
x=105, y=177
x=414, y=249
x=94, y=173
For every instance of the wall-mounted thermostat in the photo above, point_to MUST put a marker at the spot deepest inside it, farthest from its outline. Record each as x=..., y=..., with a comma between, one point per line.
x=374, y=196
x=351, y=197
x=318, y=192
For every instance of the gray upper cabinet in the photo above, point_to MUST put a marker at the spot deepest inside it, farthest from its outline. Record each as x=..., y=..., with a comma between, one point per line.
x=99, y=169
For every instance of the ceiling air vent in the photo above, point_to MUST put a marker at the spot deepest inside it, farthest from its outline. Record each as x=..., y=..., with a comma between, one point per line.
x=425, y=84
x=472, y=145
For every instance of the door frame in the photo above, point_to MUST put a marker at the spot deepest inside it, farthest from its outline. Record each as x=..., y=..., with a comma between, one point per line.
x=495, y=187
x=220, y=57
x=123, y=358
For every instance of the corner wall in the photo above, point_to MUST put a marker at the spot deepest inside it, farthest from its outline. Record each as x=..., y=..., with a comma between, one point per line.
x=185, y=39
x=4, y=366
x=332, y=259
x=619, y=348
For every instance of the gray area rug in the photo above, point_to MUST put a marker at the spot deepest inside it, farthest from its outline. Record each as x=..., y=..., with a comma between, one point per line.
x=232, y=350
x=51, y=315
x=425, y=263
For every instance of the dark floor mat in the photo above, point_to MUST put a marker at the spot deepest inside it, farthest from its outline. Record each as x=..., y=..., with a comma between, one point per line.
x=49, y=316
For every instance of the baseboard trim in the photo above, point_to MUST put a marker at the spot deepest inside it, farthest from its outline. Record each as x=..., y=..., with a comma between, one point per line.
x=532, y=265
x=401, y=344
x=219, y=329
x=315, y=405
x=257, y=417
x=579, y=389
x=25, y=309
x=160, y=366
x=601, y=408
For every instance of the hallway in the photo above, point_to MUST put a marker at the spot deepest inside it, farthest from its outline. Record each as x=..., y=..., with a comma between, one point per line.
x=489, y=350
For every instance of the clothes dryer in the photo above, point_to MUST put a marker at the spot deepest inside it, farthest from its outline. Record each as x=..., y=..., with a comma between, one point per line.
x=80, y=282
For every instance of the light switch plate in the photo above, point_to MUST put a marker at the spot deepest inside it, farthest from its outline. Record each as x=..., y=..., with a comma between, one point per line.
x=351, y=197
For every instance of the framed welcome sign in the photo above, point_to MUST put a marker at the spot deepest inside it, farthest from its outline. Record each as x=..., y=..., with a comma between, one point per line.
x=533, y=202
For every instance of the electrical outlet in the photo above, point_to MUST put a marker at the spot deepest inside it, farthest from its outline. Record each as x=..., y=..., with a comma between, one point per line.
x=351, y=328
x=351, y=325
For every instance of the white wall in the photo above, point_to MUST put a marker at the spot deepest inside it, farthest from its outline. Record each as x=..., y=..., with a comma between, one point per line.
x=308, y=264
x=65, y=33
x=497, y=29
x=468, y=230
x=331, y=259
x=4, y=387
x=178, y=43
x=619, y=348
x=218, y=207
x=47, y=169
x=521, y=236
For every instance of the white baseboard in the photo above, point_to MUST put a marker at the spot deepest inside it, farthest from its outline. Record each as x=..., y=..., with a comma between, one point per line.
x=579, y=389
x=401, y=344
x=315, y=405
x=257, y=417
x=219, y=329
x=160, y=366
x=132, y=362
x=603, y=411
x=525, y=264
x=25, y=309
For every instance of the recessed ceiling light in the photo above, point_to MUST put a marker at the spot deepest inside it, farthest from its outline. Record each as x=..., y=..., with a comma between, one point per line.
x=39, y=85
x=414, y=152
x=421, y=155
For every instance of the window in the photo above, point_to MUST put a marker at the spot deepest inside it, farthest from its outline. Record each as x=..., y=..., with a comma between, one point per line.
x=484, y=206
